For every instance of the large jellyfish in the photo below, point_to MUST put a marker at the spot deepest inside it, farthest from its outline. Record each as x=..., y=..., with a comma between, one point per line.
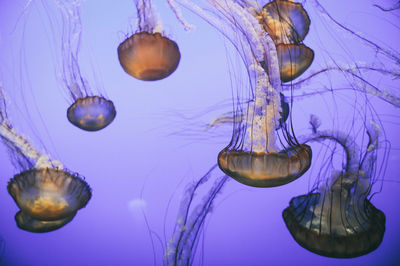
x=339, y=220
x=89, y=112
x=48, y=195
x=148, y=55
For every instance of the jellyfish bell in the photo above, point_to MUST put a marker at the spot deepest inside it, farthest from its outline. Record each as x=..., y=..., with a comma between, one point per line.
x=149, y=56
x=266, y=169
x=91, y=113
x=285, y=21
x=27, y=223
x=346, y=230
x=49, y=194
x=294, y=60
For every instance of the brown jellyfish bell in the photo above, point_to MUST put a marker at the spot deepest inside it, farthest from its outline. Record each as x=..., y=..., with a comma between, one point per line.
x=27, y=223
x=149, y=56
x=285, y=21
x=261, y=169
x=294, y=59
x=49, y=194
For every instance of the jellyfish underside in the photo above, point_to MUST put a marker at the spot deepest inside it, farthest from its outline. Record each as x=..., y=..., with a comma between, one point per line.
x=27, y=223
x=49, y=194
x=285, y=21
x=344, y=228
x=266, y=169
x=91, y=113
x=148, y=56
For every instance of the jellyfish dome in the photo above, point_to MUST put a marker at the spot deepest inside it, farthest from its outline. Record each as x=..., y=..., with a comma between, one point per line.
x=49, y=194
x=27, y=223
x=148, y=57
x=91, y=113
x=293, y=60
x=285, y=21
x=350, y=227
x=266, y=169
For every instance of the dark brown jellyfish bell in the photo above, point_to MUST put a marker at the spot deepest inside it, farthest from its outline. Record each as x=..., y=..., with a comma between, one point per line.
x=266, y=169
x=285, y=21
x=338, y=229
x=91, y=113
x=49, y=194
x=293, y=60
x=147, y=56
x=27, y=223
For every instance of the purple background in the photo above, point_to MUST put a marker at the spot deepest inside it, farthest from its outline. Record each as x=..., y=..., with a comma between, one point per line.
x=157, y=144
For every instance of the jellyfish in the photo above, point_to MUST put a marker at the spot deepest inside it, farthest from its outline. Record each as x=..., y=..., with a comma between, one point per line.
x=285, y=21
x=47, y=194
x=253, y=156
x=339, y=220
x=147, y=54
x=88, y=111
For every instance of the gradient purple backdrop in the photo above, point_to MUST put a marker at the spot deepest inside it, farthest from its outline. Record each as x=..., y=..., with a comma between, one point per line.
x=138, y=163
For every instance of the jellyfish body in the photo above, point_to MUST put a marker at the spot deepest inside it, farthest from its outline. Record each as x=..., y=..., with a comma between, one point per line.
x=341, y=231
x=266, y=169
x=49, y=194
x=27, y=223
x=294, y=59
x=285, y=21
x=91, y=113
x=88, y=112
x=340, y=221
x=148, y=57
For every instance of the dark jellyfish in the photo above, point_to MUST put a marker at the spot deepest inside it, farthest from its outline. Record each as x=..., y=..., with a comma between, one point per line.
x=91, y=113
x=27, y=223
x=293, y=60
x=49, y=194
x=340, y=221
x=266, y=169
x=285, y=21
x=147, y=56
x=341, y=231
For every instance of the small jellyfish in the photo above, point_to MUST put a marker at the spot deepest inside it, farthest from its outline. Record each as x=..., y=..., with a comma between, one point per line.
x=285, y=21
x=48, y=195
x=339, y=221
x=91, y=113
x=148, y=55
x=294, y=59
x=87, y=112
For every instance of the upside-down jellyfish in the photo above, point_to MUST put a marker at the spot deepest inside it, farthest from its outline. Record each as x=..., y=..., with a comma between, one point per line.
x=148, y=55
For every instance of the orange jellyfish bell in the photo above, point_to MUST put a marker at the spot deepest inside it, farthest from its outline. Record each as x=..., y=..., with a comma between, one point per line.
x=49, y=194
x=147, y=56
x=266, y=169
x=294, y=59
x=285, y=21
x=91, y=113
x=27, y=223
